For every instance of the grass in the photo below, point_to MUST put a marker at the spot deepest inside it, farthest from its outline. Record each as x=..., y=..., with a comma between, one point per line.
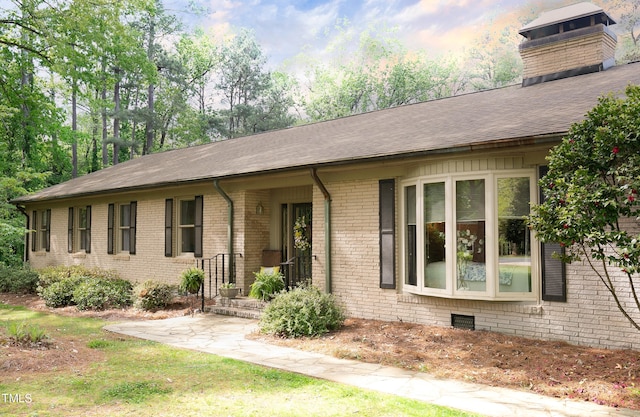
x=142, y=378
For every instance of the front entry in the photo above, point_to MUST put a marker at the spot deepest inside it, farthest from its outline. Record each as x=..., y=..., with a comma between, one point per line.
x=296, y=243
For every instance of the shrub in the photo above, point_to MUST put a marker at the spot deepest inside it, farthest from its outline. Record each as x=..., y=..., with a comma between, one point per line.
x=151, y=295
x=59, y=293
x=18, y=280
x=24, y=335
x=191, y=280
x=101, y=293
x=266, y=285
x=89, y=288
x=49, y=275
x=303, y=311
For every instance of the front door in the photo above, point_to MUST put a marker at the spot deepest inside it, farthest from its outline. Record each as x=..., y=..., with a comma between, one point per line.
x=296, y=242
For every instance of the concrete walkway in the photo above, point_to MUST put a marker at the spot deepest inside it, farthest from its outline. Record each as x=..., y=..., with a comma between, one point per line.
x=224, y=336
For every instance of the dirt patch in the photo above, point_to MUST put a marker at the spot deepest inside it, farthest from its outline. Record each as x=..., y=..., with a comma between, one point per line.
x=557, y=369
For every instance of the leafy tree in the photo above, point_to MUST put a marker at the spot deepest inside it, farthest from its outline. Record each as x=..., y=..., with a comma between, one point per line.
x=255, y=100
x=628, y=26
x=379, y=73
x=592, y=203
x=494, y=60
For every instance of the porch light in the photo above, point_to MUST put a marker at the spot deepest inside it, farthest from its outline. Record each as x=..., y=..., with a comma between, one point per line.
x=260, y=208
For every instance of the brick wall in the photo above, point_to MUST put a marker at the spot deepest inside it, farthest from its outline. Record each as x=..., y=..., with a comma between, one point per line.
x=589, y=317
x=566, y=54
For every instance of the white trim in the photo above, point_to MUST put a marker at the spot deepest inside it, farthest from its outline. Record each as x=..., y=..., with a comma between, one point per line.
x=492, y=285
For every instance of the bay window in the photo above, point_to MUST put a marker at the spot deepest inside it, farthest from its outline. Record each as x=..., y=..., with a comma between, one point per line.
x=466, y=236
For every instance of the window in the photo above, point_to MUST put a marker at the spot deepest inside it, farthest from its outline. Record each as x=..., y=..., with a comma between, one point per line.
x=42, y=226
x=121, y=228
x=466, y=237
x=188, y=232
x=79, y=229
x=187, y=227
x=387, y=195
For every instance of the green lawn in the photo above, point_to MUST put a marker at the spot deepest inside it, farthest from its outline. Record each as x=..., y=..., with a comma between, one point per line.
x=142, y=378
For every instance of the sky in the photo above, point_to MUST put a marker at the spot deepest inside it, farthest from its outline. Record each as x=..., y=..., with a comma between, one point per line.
x=285, y=28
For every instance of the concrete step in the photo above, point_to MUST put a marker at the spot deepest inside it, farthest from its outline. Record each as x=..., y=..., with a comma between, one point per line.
x=235, y=312
x=237, y=307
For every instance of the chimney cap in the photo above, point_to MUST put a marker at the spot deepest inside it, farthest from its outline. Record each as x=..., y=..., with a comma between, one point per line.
x=565, y=14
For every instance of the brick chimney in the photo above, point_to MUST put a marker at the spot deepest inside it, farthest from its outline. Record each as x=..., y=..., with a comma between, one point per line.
x=565, y=42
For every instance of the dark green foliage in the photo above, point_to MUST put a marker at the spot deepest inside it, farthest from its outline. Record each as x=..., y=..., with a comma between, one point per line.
x=18, y=280
x=151, y=295
x=266, y=285
x=303, y=311
x=87, y=288
x=98, y=294
x=191, y=280
x=60, y=293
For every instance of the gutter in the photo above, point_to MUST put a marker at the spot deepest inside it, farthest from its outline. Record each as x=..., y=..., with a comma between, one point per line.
x=327, y=229
x=230, y=212
x=25, y=254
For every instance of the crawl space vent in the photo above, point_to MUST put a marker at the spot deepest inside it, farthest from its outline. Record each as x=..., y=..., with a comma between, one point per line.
x=459, y=321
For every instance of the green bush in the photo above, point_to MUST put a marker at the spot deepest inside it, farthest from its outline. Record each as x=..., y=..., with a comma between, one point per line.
x=18, y=280
x=60, y=293
x=88, y=288
x=303, y=311
x=101, y=293
x=51, y=274
x=266, y=285
x=152, y=295
x=191, y=280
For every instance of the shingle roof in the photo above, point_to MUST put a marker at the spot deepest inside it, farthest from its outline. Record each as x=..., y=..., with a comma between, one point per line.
x=495, y=116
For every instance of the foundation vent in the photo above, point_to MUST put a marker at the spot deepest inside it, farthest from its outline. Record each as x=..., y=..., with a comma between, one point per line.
x=566, y=42
x=459, y=321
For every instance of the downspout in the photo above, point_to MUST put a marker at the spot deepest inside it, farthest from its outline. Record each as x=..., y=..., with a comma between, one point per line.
x=25, y=254
x=327, y=229
x=216, y=184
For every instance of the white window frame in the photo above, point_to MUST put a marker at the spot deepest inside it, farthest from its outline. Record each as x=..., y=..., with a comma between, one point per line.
x=492, y=289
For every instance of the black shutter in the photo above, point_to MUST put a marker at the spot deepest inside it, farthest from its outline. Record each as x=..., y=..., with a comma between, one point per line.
x=198, y=227
x=110, y=228
x=47, y=238
x=70, y=231
x=168, y=227
x=554, y=274
x=87, y=243
x=387, y=193
x=133, y=208
x=34, y=221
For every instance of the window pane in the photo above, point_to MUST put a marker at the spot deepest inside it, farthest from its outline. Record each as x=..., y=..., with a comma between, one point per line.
x=44, y=220
x=187, y=212
x=434, y=236
x=124, y=242
x=188, y=239
x=125, y=215
x=471, y=271
x=514, y=237
x=83, y=239
x=82, y=218
x=411, y=267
